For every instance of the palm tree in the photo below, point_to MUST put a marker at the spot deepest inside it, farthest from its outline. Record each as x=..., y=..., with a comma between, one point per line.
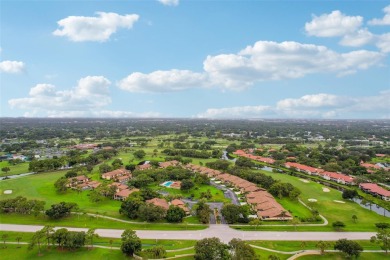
x=4, y=237
x=322, y=245
x=91, y=235
x=18, y=238
x=48, y=230
x=111, y=241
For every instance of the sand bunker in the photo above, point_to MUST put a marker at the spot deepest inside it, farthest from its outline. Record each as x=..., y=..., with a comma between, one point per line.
x=339, y=201
x=7, y=192
x=325, y=189
x=312, y=200
x=303, y=180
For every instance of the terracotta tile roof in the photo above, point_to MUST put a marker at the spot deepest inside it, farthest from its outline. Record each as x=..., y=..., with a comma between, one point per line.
x=115, y=173
x=251, y=188
x=94, y=184
x=144, y=166
x=81, y=178
x=370, y=166
x=338, y=176
x=125, y=177
x=303, y=167
x=176, y=185
x=169, y=163
x=374, y=188
x=125, y=193
x=180, y=204
x=120, y=186
x=159, y=202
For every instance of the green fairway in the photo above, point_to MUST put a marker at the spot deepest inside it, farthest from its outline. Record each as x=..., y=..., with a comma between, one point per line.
x=328, y=204
x=41, y=187
x=12, y=253
x=217, y=195
x=290, y=246
x=340, y=256
x=14, y=169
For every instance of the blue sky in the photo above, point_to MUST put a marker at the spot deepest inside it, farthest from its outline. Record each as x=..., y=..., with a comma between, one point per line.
x=200, y=59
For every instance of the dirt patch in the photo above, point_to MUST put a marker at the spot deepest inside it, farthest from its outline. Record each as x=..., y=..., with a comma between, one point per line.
x=325, y=190
x=339, y=201
x=7, y=192
x=312, y=200
x=303, y=180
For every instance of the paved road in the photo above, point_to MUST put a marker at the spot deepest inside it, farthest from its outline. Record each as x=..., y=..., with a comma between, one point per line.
x=221, y=231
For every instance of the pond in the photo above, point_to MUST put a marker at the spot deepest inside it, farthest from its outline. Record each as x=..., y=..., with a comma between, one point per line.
x=373, y=207
x=16, y=176
x=225, y=156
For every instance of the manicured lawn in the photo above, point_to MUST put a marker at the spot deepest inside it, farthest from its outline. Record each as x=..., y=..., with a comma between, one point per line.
x=12, y=253
x=41, y=187
x=85, y=221
x=340, y=256
x=330, y=209
x=217, y=194
x=289, y=246
x=295, y=207
x=264, y=254
x=14, y=169
x=105, y=241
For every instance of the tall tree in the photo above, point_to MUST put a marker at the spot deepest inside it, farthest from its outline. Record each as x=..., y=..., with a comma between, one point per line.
x=131, y=243
x=4, y=237
x=90, y=235
x=5, y=169
x=211, y=248
x=49, y=231
x=383, y=239
x=255, y=222
x=322, y=245
x=241, y=250
x=37, y=240
x=59, y=237
x=349, y=247
x=231, y=213
x=61, y=185
x=175, y=214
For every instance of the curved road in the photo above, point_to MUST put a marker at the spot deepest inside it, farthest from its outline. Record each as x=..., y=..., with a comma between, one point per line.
x=223, y=232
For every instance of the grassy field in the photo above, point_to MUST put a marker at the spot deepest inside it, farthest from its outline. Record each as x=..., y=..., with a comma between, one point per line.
x=289, y=246
x=14, y=169
x=85, y=221
x=295, y=207
x=340, y=256
x=327, y=206
x=217, y=194
x=41, y=187
x=105, y=241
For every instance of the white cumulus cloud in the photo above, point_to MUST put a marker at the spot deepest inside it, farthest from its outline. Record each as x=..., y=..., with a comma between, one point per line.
x=358, y=38
x=100, y=28
x=382, y=21
x=236, y=112
x=89, y=98
x=169, y=2
x=287, y=60
x=9, y=66
x=162, y=81
x=263, y=61
x=320, y=105
x=383, y=42
x=91, y=92
x=333, y=24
